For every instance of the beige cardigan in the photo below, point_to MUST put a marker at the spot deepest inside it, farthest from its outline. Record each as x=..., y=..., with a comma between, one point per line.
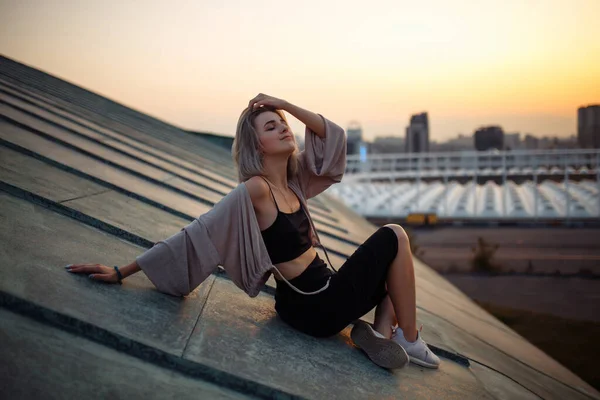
x=229, y=235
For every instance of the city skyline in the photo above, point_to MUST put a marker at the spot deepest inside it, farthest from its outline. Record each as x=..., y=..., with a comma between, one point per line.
x=526, y=66
x=459, y=135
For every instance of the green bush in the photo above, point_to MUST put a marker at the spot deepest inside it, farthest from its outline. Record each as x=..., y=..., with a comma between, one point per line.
x=483, y=255
x=529, y=269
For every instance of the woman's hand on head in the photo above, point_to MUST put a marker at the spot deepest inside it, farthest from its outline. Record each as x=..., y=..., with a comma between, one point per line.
x=97, y=272
x=266, y=100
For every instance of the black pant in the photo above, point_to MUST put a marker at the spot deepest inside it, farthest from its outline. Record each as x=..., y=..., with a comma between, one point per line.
x=353, y=291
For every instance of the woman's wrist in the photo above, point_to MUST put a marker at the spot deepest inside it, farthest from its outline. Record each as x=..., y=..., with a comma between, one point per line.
x=129, y=269
x=118, y=274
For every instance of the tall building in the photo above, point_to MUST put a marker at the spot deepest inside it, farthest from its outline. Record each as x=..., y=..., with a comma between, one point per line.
x=417, y=134
x=512, y=141
x=354, y=138
x=588, y=126
x=489, y=137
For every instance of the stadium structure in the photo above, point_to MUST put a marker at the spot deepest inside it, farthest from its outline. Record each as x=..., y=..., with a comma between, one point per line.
x=85, y=179
x=491, y=186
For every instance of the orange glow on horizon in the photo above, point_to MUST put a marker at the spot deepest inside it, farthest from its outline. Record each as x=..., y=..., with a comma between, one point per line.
x=524, y=65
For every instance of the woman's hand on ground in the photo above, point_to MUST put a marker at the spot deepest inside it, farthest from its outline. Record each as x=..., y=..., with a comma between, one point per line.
x=264, y=99
x=97, y=272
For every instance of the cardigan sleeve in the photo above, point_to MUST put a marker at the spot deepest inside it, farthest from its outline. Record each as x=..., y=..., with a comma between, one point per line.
x=178, y=264
x=323, y=161
x=226, y=235
x=235, y=234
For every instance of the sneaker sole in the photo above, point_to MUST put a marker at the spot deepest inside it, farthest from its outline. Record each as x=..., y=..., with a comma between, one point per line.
x=384, y=352
x=423, y=363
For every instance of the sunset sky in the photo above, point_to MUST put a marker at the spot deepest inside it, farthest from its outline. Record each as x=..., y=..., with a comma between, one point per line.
x=525, y=65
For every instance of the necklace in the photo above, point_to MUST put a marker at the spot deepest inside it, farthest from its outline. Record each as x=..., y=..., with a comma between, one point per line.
x=284, y=198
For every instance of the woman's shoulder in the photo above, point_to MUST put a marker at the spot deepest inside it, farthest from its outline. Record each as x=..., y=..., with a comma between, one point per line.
x=257, y=188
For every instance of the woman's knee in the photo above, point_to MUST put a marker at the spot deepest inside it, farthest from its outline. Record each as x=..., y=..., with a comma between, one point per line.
x=400, y=234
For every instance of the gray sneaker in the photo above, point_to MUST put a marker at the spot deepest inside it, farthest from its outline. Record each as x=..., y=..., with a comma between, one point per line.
x=382, y=351
x=418, y=351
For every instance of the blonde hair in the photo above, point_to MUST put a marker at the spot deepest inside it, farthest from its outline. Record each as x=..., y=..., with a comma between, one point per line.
x=246, y=148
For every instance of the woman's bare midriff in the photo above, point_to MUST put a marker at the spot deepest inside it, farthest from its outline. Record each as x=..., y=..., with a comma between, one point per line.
x=293, y=268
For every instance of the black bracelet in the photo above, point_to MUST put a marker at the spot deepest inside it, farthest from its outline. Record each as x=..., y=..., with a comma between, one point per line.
x=119, y=276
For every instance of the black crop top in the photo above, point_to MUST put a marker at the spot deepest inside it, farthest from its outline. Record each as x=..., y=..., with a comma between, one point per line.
x=287, y=237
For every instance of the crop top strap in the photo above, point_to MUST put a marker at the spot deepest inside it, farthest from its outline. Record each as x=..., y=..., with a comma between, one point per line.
x=272, y=195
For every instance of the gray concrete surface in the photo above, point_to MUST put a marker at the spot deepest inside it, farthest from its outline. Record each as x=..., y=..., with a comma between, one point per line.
x=43, y=242
x=118, y=142
x=39, y=362
x=52, y=183
x=85, y=196
x=112, y=114
x=102, y=171
x=186, y=157
x=84, y=144
x=247, y=338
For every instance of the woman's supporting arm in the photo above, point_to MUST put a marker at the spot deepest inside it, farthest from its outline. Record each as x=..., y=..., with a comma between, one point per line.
x=129, y=269
x=103, y=273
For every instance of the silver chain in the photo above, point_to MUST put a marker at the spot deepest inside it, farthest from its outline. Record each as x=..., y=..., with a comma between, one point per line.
x=284, y=198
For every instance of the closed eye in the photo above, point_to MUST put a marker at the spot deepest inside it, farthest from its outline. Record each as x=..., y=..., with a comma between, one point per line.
x=272, y=127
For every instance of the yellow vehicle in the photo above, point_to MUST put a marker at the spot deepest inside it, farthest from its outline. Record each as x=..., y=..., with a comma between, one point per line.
x=432, y=219
x=421, y=219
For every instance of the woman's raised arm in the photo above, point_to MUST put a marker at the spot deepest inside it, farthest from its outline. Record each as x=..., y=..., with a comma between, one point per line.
x=312, y=120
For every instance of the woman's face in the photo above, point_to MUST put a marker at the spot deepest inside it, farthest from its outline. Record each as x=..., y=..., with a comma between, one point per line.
x=275, y=135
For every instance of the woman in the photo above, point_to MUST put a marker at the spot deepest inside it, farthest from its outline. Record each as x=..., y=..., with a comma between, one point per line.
x=309, y=296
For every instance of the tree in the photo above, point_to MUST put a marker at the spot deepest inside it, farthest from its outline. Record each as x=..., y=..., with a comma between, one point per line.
x=483, y=254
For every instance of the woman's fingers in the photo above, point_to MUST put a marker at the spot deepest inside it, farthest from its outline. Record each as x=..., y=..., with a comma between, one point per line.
x=266, y=100
x=97, y=272
x=256, y=98
x=251, y=102
x=83, y=268
x=81, y=265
